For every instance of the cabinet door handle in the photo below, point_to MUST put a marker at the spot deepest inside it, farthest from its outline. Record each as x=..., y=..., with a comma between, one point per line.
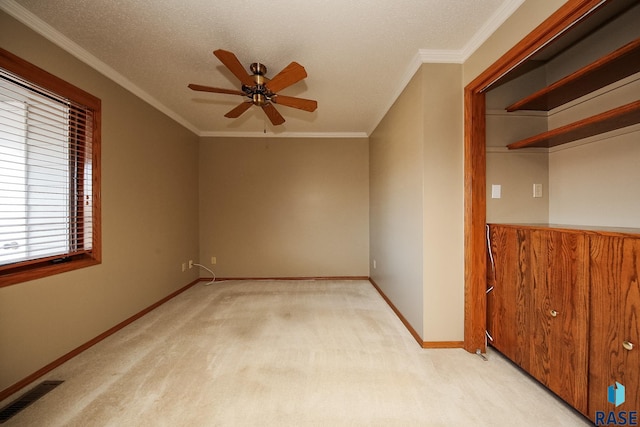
x=627, y=345
x=553, y=313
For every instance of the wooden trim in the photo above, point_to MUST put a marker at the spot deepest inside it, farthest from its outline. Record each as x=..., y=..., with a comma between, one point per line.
x=633, y=233
x=475, y=219
x=404, y=321
x=41, y=269
x=475, y=166
x=443, y=344
x=96, y=184
x=37, y=75
x=59, y=361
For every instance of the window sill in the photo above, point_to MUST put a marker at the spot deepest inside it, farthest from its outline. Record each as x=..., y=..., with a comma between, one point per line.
x=45, y=269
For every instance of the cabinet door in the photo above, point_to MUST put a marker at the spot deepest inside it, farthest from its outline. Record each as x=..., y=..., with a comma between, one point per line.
x=615, y=318
x=508, y=304
x=560, y=325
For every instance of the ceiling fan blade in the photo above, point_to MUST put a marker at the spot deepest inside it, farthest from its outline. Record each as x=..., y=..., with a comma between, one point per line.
x=291, y=74
x=234, y=65
x=273, y=114
x=215, y=89
x=299, y=103
x=236, y=112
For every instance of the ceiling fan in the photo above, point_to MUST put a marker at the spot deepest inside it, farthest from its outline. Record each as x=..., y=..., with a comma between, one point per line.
x=259, y=89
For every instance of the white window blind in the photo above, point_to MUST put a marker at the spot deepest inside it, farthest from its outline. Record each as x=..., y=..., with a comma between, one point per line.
x=45, y=174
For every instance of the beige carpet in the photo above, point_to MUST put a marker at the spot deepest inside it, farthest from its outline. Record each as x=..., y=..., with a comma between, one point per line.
x=283, y=353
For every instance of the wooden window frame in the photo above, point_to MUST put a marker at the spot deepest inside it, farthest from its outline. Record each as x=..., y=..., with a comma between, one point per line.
x=37, y=269
x=475, y=272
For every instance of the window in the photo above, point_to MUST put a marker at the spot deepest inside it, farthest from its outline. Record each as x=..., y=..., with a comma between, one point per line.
x=49, y=174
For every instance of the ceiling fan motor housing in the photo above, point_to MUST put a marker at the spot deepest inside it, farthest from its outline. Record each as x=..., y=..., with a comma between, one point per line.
x=258, y=68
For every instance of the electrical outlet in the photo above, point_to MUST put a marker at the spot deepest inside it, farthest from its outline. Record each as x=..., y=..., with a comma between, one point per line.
x=375, y=264
x=537, y=190
x=190, y=264
x=213, y=260
x=184, y=266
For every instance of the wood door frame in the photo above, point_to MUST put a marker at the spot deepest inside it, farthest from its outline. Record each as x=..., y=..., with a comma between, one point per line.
x=475, y=270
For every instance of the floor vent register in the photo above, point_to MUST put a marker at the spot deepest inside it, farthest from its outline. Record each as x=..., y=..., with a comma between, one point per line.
x=27, y=399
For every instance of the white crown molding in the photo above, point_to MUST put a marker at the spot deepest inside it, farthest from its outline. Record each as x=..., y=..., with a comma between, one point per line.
x=414, y=65
x=222, y=134
x=422, y=56
x=433, y=56
x=53, y=35
x=489, y=27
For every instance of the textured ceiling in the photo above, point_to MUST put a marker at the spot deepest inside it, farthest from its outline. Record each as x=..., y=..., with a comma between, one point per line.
x=358, y=54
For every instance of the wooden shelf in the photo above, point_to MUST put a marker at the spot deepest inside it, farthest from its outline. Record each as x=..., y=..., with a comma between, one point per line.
x=617, y=65
x=617, y=118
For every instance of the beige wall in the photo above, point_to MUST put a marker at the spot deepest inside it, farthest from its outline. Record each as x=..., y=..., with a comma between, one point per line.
x=596, y=184
x=417, y=205
x=443, y=213
x=149, y=223
x=516, y=172
x=396, y=206
x=284, y=207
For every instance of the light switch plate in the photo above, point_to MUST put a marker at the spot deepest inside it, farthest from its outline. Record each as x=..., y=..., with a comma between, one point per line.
x=496, y=191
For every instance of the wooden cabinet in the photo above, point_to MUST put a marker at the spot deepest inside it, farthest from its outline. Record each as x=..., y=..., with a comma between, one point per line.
x=565, y=307
x=615, y=321
x=509, y=301
x=538, y=308
x=559, y=315
x=565, y=302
